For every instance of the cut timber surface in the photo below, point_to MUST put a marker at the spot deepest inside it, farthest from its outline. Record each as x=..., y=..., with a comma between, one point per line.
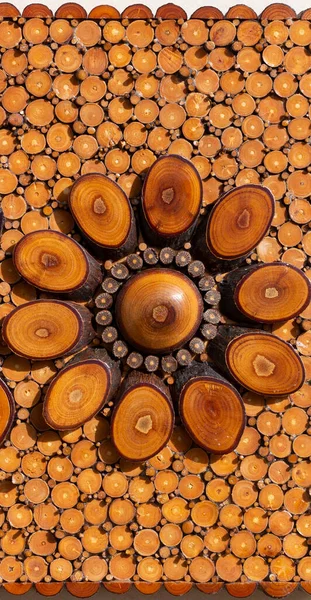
x=261, y=362
x=159, y=310
x=7, y=411
x=54, y=262
x=237, y=223
x=266, y=293
x=171, y=201
x=104, y=214
x=81, y=390
x=143, y=417
x=210, y=408
x=47, y=329
x=115, y=98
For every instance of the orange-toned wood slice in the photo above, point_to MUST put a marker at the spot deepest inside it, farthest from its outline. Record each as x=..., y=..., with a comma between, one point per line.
x=103, y=213
x=80, y=390
x=278, y=589
x=241, y=11
x=8, y=10
x=104, y=11
x=171, y=200
x=53, y=262
x=137, y=11
x=17, y=589
x=241, y=589
x=236, y=224
x=7, y=411
x=278, y=10
x=48, y=589
x=170, y=11
x=82, y=589
x=258, y=360
x=45, y=329
x=70, y=10
x=158, y=310
x=142, y=419
x=207, y=12
x=268, y=293
x=37, y=10
x=210, y=408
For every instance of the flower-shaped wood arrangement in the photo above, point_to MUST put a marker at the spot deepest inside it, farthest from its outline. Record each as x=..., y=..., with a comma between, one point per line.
x=155, y=301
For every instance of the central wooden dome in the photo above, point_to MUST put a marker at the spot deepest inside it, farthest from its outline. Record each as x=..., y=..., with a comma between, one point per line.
x=159, y=310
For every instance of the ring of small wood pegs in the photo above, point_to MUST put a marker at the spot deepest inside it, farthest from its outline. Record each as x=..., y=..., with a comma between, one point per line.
x=148, y=257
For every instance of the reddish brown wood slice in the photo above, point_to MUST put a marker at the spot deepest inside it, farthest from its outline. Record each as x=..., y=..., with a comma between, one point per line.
x=37, y=10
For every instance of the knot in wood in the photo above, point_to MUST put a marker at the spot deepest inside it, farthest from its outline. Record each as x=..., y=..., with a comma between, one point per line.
x=49, y=260
x=75, y=396
x=263, y=366
x=144, y=424
x=99, y=206
x=244, y=218
x=160, y=313
x=271, y=292
x=168, y=195
x=42, y=332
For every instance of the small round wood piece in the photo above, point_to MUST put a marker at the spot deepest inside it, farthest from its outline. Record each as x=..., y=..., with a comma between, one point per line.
x=104, y=214
x=264, y=364
x=171, y=200
x=211, y=409
x=80, y=391
x=47, y=329
x=266, y=293
x=143, y=418
x=7, y=410
x=159, y=310
x=54, y=262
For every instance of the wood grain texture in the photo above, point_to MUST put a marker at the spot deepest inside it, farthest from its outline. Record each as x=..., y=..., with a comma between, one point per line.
x=121, y=137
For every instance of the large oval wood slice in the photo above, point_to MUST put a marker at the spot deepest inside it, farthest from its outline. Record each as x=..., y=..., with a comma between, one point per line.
x=159, y=310
x=7, y=411
x=54, y=262
x=260, y=361
x=104, y=214
x=239, y=221
x=236, y=225
x=47, y=329
x=171, y=200
x=211, y=408
x=143, y=418
x=266, y=293
x=81, y=390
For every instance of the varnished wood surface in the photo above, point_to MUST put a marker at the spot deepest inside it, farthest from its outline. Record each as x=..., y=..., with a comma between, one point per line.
x=80, y=94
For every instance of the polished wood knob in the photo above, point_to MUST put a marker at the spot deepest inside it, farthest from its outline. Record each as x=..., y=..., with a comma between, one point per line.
x=159, y=310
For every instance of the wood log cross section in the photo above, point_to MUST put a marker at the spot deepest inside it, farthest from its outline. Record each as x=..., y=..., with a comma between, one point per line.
x=155, y=300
